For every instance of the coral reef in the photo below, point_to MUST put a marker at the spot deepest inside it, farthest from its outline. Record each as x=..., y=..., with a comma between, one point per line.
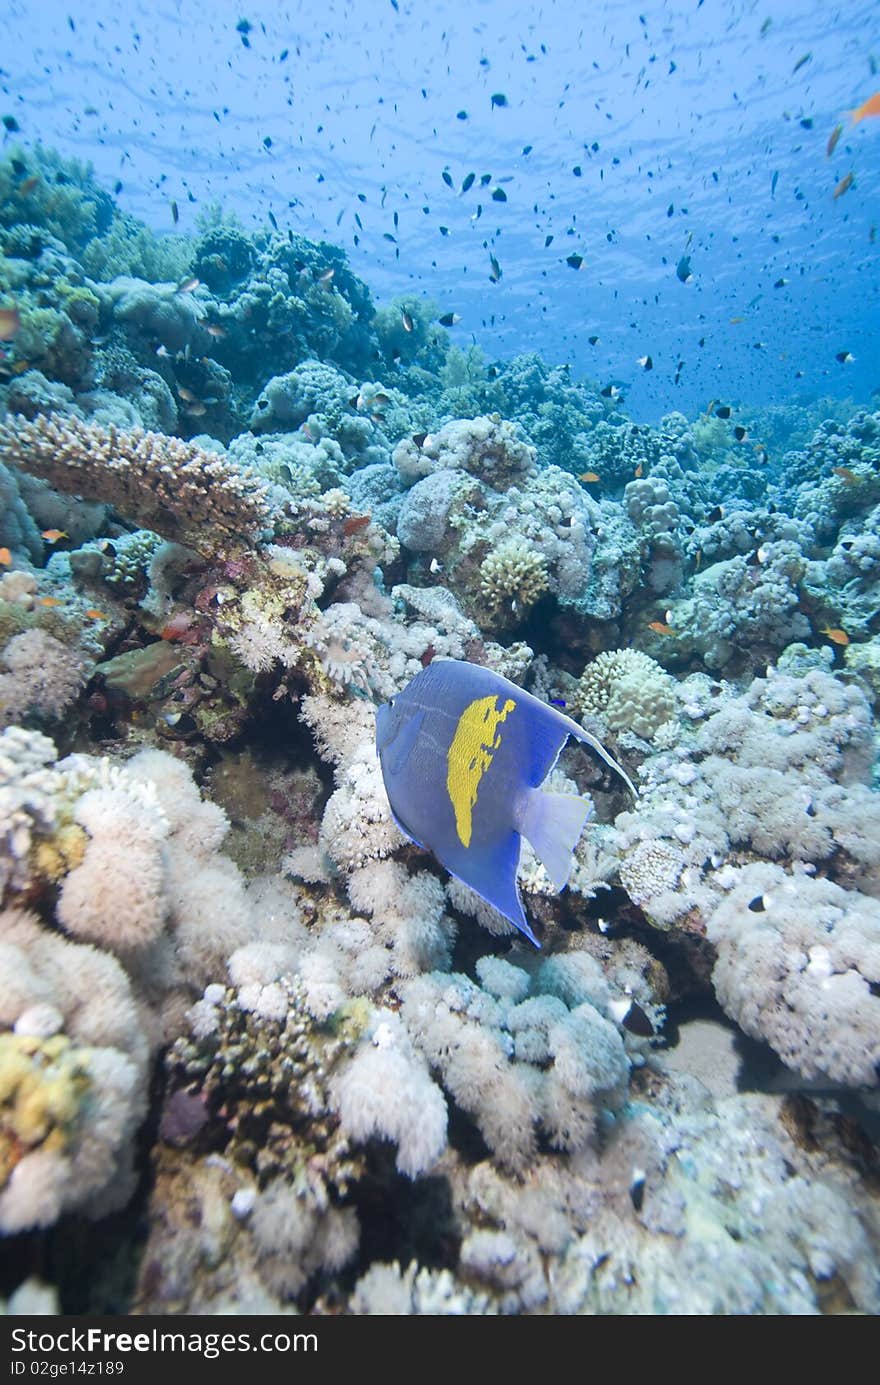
x=305, y=1070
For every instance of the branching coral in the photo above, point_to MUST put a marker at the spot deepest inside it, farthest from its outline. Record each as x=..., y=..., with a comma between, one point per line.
x=513, y=578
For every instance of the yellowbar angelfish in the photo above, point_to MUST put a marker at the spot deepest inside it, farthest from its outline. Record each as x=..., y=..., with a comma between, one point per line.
x=463, y=754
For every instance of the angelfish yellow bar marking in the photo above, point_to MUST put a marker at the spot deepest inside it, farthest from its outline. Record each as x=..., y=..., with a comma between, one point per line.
x=470, y=755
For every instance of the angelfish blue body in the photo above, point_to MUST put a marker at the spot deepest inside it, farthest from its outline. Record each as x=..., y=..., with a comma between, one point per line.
x=463, y=754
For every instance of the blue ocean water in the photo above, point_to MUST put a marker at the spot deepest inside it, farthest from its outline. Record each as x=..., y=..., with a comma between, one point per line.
x=653, y=132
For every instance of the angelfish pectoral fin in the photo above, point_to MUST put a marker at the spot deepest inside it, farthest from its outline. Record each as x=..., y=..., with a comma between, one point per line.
x=553, y=822
x=404, y=742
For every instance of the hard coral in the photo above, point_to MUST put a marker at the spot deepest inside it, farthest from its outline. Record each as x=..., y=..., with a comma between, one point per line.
x=73, y=1076
x=799, y=966
x=513, y=578
x=628, y=690
x=174, y=487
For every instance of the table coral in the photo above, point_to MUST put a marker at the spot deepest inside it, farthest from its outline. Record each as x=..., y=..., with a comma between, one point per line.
x=176, y=488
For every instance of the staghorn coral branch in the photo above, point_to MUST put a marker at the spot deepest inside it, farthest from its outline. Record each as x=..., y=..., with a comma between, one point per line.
x=177, y=488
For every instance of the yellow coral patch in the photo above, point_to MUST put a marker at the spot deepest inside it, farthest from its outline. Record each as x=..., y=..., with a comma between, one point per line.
x=42, y=1084
x=53, y=859
x=470, y=755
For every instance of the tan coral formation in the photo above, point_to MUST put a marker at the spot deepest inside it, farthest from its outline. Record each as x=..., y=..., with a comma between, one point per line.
x=177, y=488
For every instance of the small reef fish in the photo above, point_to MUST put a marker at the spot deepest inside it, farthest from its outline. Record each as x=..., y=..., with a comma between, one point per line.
x=94, y=614
x=645, y=362
x=463, y=753
x=5, y=557
x=10, y=322
x=449, y=319
x=591, y=476
x=661, y=628
x=48, y=601
x=835, y=634
x=846, y=475
x=832, y=140
x=869, y=107
x=188, y=285
x=53, y=535
x=845, y=357
x=843, y=186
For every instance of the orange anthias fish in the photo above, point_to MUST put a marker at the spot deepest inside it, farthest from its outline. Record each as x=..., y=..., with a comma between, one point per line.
x=94, y=614
x=832, y=140
x=5, y=557
x=53, y=535
x=837, y=635
x=48, y=601
x=9, y=323
x=846, y=475
x=869, y=107
x=843, y=186
x=661, y=628
x=591, y=476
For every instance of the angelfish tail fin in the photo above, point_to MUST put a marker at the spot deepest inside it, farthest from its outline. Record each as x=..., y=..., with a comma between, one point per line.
x=553, y=822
